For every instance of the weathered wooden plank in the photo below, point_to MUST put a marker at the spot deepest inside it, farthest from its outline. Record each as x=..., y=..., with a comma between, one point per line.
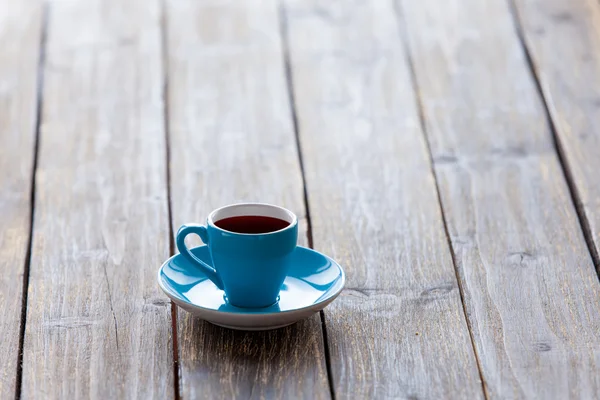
x=532, y=295
x=231, y=140
x=562, y=36
x=399, y=330
x=97, y=324
x=20, y=34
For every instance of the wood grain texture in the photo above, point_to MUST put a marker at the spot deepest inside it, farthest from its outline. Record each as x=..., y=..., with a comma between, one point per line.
x=562, y=36
x=98, y=326
x=232, y=140
x=532, y=295
x=398, y=330
x=20, y=33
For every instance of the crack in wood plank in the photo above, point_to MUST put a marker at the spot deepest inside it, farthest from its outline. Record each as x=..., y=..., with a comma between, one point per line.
x=112, y=310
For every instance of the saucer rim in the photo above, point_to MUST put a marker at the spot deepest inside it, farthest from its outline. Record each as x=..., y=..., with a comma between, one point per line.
x=242, y=311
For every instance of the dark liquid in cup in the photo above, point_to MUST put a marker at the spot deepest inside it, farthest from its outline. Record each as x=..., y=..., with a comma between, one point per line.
x=252, y=224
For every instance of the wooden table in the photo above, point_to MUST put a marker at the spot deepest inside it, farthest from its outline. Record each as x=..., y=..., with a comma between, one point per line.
x=446, y=153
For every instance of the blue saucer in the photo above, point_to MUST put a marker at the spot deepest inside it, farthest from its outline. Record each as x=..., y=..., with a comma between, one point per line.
x=313, y=282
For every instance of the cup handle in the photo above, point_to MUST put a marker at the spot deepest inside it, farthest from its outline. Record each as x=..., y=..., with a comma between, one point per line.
x=201, y=231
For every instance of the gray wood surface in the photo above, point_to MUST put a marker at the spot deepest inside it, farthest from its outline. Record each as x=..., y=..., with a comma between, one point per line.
x=562, y=36
x=399, y=329
x=98, y=326
x=20, y=31
x=532, y=295
x=363, y=74
x=232, y=139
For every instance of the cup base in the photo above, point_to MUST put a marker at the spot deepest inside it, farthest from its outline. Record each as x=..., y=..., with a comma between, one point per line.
x=238, y=306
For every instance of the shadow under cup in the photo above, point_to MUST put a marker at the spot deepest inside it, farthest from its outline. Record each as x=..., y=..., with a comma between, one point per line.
x=249, y=267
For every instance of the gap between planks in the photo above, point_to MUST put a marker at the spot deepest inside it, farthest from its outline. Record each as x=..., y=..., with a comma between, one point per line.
x=419, y=102
x=36, y=146
x=558, y=146
x=309, y=236
x=165, y=98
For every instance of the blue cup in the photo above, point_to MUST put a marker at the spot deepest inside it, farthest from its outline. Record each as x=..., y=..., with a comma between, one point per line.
x=249, y=267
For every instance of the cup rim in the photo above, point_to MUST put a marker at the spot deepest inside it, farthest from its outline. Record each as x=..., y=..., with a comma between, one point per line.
x=210, y=219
